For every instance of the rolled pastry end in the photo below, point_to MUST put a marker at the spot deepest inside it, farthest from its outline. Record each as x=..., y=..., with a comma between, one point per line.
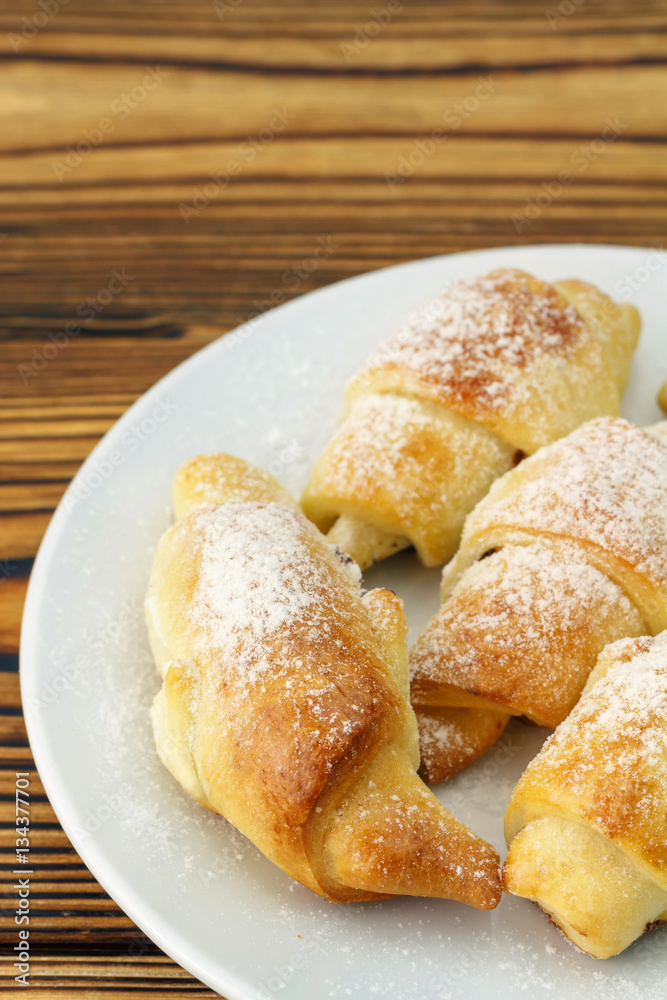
x=365, y=542
x=392, y=836
x=172, y=725
x=632, y=318
x=659, y=430
x=662, y=398
x=219, y=478
x=520, y=633
x=589, y=888
x=451, y=739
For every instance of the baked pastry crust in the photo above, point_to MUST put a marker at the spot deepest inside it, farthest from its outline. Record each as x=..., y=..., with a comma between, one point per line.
x=662, y=398
x=451, y=738
x=603, y=489
x=492, y=369
x=587, y=823
x=284, y=704
x=566, y=554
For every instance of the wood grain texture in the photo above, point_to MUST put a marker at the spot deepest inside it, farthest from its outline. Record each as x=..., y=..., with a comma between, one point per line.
x=316, y=132
x=13, y=589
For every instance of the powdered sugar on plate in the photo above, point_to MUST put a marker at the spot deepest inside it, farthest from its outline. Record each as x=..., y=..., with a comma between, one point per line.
x=187, y=878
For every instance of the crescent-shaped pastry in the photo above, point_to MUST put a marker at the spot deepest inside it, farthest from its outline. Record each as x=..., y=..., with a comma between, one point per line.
x=284, y=704
x=587, y=823
x=566, y=554
x=491, y=370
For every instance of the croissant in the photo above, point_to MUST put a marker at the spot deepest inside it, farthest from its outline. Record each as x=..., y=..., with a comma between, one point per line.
x=491, y=370
x=284, y=705
x=567, y=553
x=587, y=823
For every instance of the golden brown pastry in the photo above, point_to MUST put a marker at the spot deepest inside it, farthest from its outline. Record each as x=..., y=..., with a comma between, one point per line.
x=658, y=430
x=662, y=398
x=284, y=704
x=587, y=823
x=493, y=369
x=452, y=738
x=566, y=554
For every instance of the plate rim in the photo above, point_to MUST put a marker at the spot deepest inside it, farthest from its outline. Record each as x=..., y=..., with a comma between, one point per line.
x=94, y=859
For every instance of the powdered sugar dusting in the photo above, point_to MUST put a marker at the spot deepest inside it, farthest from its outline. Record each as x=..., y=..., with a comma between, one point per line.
x=392, y=420
x=605, y=484
x=414, y=818
x=402, y=949
x=257, y=578
x=524, y=627
x=288, y=666
x=472, y=340
x=214, y=478
x=610, y=755
x=245, y=578
x=437, y=737
x=409, y=449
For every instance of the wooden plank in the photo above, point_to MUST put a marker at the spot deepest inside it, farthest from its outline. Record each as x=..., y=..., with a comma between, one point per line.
x=323, y=175
x=12, y=731
x=304, y=158
x=12, y=598
x=10, y=697
x=369, y=203
x=41, y=811
x=38, y=450
x=52, y=837
x=393, y=51
x=50, y=104
x=28, y=471
x=99, y=919
x=18, y=429
x=151, y=200
x=77, y=400
x=77, y=878
x=66, y=858
x=18, y=757
x=32, y=496
x=57, y=889
x=91, y=993
x=23, y=409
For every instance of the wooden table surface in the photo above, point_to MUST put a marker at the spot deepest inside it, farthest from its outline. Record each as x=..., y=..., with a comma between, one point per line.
x=168, y=170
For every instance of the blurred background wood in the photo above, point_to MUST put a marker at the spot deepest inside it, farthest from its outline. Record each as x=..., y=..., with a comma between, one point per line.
x=329, y=118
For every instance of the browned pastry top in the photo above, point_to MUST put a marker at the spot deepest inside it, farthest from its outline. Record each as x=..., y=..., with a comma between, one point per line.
x=523, y=628
x=465, y=342
x=608, y=761
x=284, y=708
x=604, y=488
x=285, y=655
x=526, y=359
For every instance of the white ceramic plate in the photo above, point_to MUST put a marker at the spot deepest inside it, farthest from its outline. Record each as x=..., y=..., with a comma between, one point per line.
x=270, y=392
